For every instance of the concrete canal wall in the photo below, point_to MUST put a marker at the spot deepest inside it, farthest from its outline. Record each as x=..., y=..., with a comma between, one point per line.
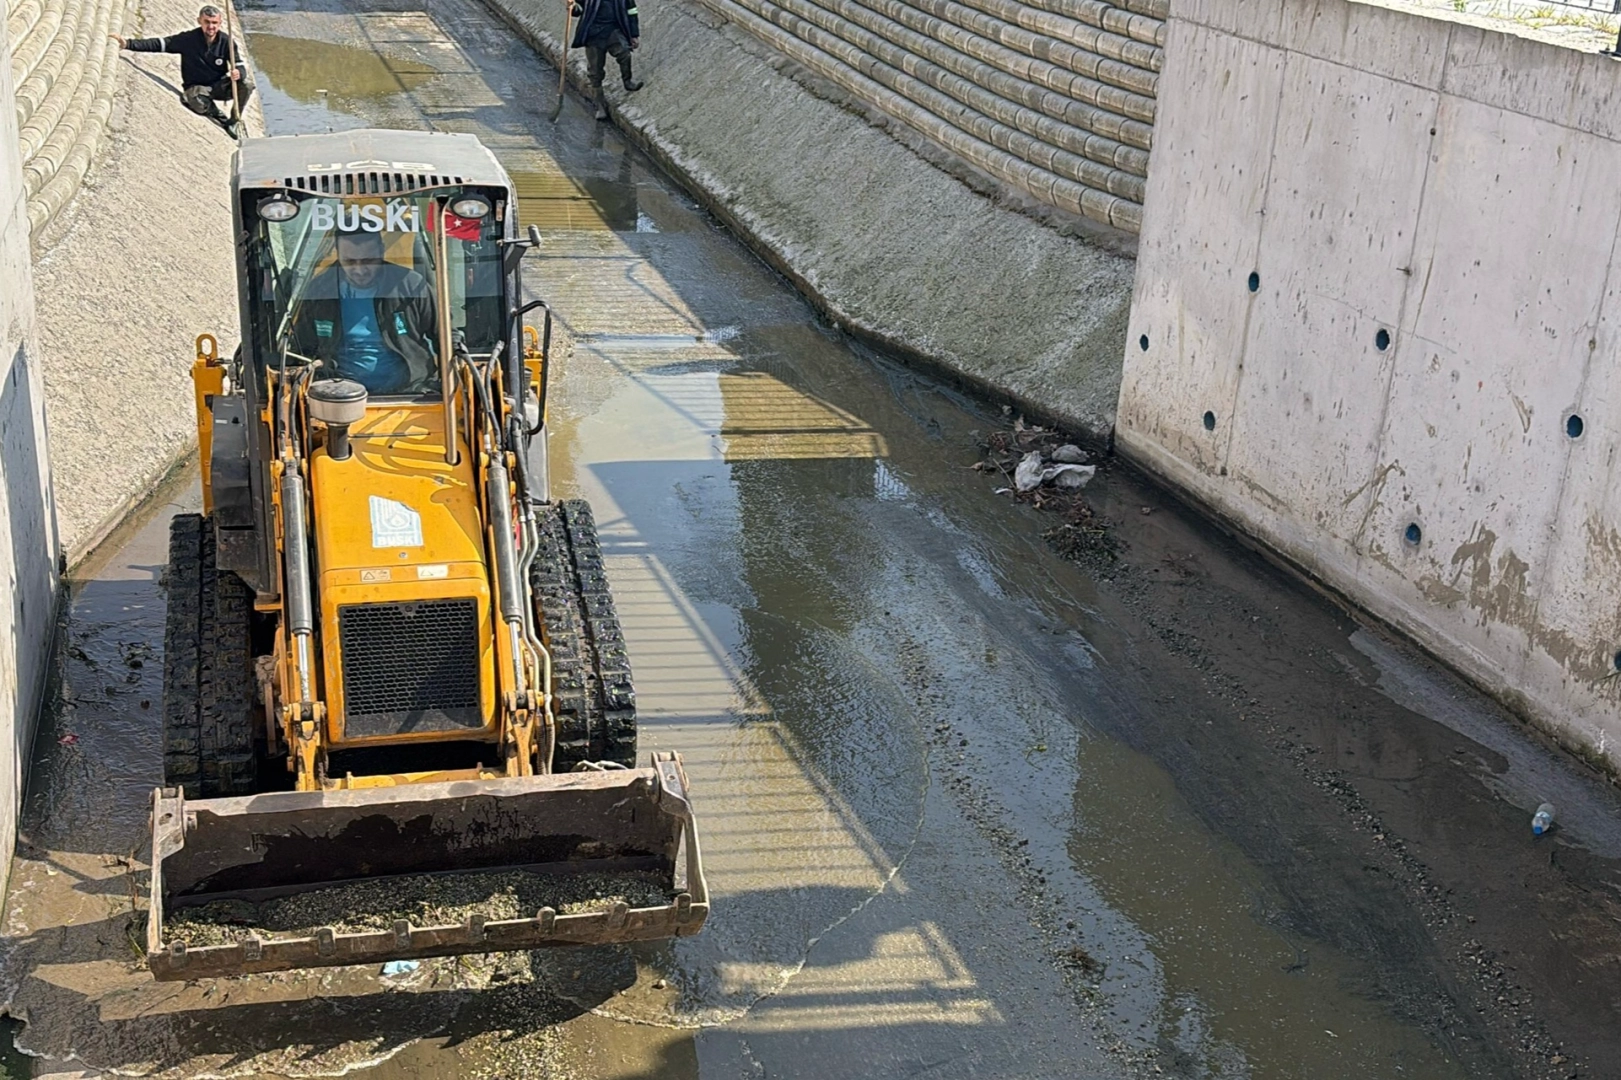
x=1376, y=322
x=129, y=210
x=28, y=544
x=1054, y=98
x=844, y=198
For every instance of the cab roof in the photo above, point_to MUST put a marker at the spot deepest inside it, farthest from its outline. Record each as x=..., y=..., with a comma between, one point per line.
x=410, y=159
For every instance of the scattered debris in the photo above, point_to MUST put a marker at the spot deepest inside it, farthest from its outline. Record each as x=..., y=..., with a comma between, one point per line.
x=1083, y=961
x=1082, y=533
x=1070, y=454
x=69, y=739
x=1048, y=473
x=399, y=967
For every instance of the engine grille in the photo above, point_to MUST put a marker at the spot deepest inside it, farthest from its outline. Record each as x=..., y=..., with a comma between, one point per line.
x=368, y=183
x=410, y=667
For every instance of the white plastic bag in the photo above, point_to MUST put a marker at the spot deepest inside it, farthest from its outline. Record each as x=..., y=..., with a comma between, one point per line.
x=1031, y=473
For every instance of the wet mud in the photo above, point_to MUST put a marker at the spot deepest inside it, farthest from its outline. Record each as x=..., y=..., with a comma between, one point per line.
x=969, y=807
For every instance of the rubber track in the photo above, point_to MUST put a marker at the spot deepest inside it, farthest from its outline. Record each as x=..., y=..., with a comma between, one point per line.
x=208, y=706
x=183, y=583
x=227, y=711
x=614, y=738
x=551, y=580
x=595, y=702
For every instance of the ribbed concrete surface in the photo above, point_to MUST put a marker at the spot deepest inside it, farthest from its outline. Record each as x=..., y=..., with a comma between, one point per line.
x=1040, y=96
x=890, y=246
x=64, y=70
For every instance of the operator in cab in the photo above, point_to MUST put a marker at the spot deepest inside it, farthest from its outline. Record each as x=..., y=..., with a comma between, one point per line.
x=370, y=320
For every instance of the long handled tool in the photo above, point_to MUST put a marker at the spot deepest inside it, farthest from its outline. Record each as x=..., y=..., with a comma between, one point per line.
x=236, y=92
x=562, y=63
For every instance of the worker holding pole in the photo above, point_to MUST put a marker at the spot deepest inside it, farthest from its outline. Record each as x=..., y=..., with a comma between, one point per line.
x=607, y=28
x=210, y=69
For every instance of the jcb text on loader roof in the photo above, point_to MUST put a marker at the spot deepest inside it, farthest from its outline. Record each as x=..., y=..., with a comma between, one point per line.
x=390, y=654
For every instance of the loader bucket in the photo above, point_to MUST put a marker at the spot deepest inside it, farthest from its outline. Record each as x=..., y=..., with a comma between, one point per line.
x=256, y=849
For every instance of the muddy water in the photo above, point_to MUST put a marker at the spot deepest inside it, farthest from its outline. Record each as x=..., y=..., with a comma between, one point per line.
x=968, y=810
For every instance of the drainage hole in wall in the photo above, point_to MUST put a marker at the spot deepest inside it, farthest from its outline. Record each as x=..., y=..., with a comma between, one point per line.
x=1574, y=426
x=1255, y=282
x=1413, y=534
x=1210, y=421
x=1381, y=340
x=1142, y=343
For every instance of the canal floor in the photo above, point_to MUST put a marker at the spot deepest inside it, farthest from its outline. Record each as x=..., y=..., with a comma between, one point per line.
x=969, y=809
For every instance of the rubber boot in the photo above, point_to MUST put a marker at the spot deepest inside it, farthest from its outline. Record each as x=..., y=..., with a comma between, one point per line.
x=602, y=104
x=224, y=120
x=631, y=84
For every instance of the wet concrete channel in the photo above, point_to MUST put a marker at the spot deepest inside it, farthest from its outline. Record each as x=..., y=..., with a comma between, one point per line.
x=969, y=809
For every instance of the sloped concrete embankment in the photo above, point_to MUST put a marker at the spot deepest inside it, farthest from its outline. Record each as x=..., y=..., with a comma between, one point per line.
x=132, y=272
x=1375, y=324
x=901, y=252
x=1054, y=97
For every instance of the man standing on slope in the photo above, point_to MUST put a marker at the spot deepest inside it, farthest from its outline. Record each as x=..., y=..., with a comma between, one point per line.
x=607, y=28
x=206, y=68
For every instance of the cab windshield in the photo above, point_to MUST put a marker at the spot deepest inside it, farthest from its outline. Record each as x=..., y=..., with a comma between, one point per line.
x=349, y=283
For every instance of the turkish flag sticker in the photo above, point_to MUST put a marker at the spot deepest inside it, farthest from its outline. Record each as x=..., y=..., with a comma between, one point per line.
x=457, y=228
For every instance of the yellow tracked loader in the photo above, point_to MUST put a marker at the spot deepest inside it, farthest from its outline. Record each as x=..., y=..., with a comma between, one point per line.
x=389, y=652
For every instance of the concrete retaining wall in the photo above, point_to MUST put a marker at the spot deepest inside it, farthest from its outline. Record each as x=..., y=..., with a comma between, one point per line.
x=63, y=71
x=892, y=248
x=1430, y=215
x=28, y=545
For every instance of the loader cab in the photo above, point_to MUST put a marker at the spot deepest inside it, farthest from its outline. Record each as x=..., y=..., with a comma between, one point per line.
x=311, y=261
x=298, y=202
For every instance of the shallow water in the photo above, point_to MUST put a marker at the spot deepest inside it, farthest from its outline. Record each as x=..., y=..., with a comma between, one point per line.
x=967, y=809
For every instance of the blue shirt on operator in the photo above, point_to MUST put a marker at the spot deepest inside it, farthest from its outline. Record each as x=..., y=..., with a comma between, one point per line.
x=363, y=357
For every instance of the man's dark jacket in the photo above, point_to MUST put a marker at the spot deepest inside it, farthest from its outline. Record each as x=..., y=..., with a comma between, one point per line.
x=406, y=321
x=623, y=16
x=201, y=63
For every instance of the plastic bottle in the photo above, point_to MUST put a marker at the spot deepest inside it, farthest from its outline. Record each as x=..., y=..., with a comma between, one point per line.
x=1542, y=821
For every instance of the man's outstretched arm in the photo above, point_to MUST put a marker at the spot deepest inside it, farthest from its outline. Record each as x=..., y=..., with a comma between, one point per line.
x=141, y=44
